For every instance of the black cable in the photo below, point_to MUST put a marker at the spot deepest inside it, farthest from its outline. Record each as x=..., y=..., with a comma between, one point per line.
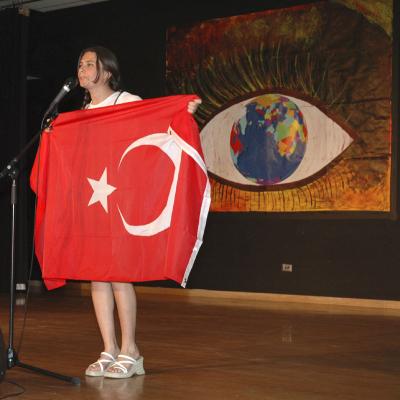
x=32, y=255
x=6, y=396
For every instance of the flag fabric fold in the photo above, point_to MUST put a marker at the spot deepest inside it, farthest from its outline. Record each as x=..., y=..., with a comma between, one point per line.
x=122, y=194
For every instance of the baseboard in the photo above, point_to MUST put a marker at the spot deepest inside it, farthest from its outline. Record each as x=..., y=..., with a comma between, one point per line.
x=242, y=298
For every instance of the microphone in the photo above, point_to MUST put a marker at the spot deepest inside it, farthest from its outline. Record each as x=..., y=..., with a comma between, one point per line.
x=69, y=84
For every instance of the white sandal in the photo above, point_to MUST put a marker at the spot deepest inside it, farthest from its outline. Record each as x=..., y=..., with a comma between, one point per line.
x=134, y=367
x=102, y=362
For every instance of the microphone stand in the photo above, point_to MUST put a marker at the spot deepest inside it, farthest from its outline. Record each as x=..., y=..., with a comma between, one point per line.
x=11, y=171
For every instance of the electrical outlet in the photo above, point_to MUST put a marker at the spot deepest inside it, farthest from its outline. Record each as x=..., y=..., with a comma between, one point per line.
x=20, y=286
x=287, y=268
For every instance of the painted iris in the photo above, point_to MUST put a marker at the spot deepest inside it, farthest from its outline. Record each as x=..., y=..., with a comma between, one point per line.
x=269, y=141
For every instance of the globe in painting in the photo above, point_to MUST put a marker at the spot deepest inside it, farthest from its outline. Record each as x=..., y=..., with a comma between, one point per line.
x=269, y=141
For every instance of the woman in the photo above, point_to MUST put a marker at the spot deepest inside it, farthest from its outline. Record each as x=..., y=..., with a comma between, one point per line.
x=98, y=74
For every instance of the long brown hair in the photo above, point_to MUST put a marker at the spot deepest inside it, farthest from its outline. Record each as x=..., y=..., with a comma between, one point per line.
x=104, y=58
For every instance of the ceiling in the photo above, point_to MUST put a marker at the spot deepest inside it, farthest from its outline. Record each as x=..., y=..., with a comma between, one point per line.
x=45, y=5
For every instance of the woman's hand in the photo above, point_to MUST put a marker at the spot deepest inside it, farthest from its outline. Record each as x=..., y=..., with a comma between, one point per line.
x=193, y=105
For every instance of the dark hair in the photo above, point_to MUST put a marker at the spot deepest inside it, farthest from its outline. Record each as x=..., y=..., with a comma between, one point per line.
x=109, y=62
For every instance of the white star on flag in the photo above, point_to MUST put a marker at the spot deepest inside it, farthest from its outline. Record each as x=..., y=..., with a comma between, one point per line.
x=101, y=190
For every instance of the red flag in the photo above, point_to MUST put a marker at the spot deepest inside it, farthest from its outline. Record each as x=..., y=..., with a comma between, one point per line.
x=123, y=194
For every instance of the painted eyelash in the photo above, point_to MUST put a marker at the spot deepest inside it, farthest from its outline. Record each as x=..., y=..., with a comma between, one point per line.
x=314, y=196
x=256, y=71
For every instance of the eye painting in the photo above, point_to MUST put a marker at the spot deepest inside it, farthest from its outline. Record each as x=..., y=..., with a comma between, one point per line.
x=296, y=113
x=269, y=141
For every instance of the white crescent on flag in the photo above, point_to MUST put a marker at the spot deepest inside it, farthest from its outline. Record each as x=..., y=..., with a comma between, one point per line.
x=172, y=145
x=166, y=144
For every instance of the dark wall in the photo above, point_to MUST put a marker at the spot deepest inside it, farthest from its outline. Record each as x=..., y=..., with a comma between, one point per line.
x=13, y=136
x=340, y=256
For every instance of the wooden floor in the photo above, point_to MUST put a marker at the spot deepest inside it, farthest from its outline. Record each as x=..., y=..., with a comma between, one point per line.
x=198, y=350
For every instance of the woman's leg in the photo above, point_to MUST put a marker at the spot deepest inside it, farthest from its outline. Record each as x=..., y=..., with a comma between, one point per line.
x=125, y=297
x=103, y=302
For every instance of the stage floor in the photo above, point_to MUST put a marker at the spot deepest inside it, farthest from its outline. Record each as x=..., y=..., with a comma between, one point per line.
x=197, y=350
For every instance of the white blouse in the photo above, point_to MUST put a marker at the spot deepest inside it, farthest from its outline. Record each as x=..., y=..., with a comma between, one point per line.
x=124, y=97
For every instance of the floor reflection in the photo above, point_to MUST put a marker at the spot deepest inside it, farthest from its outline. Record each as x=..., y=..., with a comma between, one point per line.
x=117, y=389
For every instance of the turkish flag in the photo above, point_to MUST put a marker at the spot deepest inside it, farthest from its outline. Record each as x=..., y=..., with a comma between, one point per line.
x=122, y=193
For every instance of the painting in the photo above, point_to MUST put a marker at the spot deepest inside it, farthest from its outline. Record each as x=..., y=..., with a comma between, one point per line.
x=296, y=105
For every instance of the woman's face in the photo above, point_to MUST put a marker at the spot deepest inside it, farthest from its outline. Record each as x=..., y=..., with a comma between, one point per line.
x=87, y=72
